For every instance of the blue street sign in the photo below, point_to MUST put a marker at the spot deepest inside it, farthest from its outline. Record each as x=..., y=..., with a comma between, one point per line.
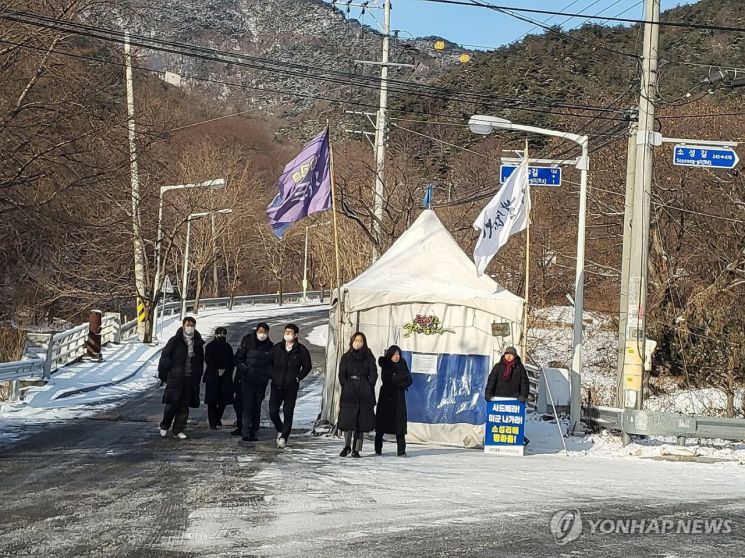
x=537, y=176
x=716, y=158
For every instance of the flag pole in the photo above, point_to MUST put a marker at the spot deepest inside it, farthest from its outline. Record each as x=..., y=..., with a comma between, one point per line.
x=333, y=210
x=527, y=271
x=339, y=308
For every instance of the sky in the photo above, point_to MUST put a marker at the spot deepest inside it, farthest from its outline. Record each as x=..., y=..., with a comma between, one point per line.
x=479, y=28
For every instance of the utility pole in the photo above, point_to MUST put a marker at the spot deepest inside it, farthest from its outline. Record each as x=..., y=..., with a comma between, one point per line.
x=380, y=129
x=636, y=285
x=381, y=122
x=143, y=304
x=628, y=207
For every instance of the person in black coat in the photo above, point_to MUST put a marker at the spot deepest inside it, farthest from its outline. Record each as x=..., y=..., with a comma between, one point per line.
x=357, y=376
x=180, y=366
x=290, y=363
x=251, y=377
x=218, y=377
x=390, y=417
x=508, y=378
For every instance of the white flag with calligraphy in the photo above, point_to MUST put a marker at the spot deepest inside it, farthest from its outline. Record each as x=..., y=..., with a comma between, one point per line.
x=506, y=214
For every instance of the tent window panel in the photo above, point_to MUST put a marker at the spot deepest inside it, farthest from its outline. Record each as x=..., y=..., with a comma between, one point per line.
x=453, y=395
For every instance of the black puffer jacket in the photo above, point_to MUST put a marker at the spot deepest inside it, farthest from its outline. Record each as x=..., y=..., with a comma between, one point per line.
x=391, y=417
x=172, y=368
x=357, y=376
x=289, y=368
x=218, y=355
x=517, y=386
x=252, y=360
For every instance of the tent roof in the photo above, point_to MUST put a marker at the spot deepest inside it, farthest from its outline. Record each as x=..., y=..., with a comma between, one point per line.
x=426, y=264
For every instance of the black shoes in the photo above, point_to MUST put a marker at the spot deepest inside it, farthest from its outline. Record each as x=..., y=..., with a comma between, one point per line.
x=345, y=452
x=236, y=432
x=356, y=454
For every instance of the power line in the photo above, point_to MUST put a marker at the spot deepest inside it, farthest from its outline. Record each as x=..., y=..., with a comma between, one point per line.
x=681, y=24
x=507, y=11
x=299, y=70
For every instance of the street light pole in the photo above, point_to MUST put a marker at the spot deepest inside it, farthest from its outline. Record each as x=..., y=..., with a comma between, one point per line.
x=480, y=124
x=185, y=274
x=185, y=269
x=214, y=184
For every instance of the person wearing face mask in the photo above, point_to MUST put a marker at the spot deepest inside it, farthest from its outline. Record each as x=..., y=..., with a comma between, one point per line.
x=290, y=362
x=357, y=376
x=181, y=366
x=252, y=376
x=509, y=378
x=390, y=417
x=218, y=377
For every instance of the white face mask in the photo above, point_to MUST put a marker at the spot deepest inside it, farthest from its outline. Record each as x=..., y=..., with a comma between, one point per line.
x=289, y=338
x=261, y=336
x=357, y=345
x=189, y=330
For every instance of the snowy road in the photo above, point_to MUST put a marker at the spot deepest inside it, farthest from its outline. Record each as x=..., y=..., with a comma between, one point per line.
x=109, y=486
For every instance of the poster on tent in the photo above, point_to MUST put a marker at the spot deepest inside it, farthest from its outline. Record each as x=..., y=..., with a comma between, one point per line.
x=505, y=426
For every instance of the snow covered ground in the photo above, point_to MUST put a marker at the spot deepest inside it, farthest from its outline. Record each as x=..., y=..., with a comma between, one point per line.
x=87, y=388
x=313, y=503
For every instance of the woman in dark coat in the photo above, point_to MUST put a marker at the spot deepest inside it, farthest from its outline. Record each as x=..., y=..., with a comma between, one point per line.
x=390, y=417
x=357, y=376
x=509, y=378
x=180, y=366
x=218, y=393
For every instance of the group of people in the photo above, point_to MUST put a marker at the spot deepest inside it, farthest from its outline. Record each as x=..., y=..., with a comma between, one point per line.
x=241, y=379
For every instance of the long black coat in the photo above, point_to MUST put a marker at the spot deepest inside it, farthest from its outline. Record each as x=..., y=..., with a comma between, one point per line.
x=172, y=366
x=252, y=361
x=289, y=368
x=357, y=376
x=516, y=387
x=219, y=389
x=390, y=417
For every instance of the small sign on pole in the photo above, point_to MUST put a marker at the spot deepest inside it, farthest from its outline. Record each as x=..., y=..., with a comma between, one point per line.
x=537, y=176
x=168, y=285
x=701, y=156
x=505, y=426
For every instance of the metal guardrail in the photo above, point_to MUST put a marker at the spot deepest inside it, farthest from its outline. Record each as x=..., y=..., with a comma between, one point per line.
x=534, y=376
x=649, y=423
x=46, y=352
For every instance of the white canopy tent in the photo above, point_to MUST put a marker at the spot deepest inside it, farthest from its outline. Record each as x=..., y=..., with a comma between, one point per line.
x=424, y=295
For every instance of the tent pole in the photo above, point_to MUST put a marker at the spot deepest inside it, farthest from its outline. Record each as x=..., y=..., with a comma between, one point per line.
x=524, y=348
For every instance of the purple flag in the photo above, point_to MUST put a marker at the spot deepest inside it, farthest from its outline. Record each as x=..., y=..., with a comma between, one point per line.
x=304, y=187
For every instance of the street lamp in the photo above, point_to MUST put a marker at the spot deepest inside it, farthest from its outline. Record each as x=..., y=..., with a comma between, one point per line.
x=480, y=124
x=185, y=278
x=215, y=184
x=305, y=265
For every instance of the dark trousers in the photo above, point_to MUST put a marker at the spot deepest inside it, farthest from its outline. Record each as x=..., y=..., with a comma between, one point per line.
x=285, y=398
x=400, y=443
x=238, y=407
x=176, y=413
x=358, y=440
x=252, y=395
x=214, y=414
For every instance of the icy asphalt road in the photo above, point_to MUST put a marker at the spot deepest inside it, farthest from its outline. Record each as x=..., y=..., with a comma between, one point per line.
x=111, y=487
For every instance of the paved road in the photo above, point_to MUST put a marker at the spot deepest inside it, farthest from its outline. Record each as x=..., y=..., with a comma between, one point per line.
x=111, y=487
